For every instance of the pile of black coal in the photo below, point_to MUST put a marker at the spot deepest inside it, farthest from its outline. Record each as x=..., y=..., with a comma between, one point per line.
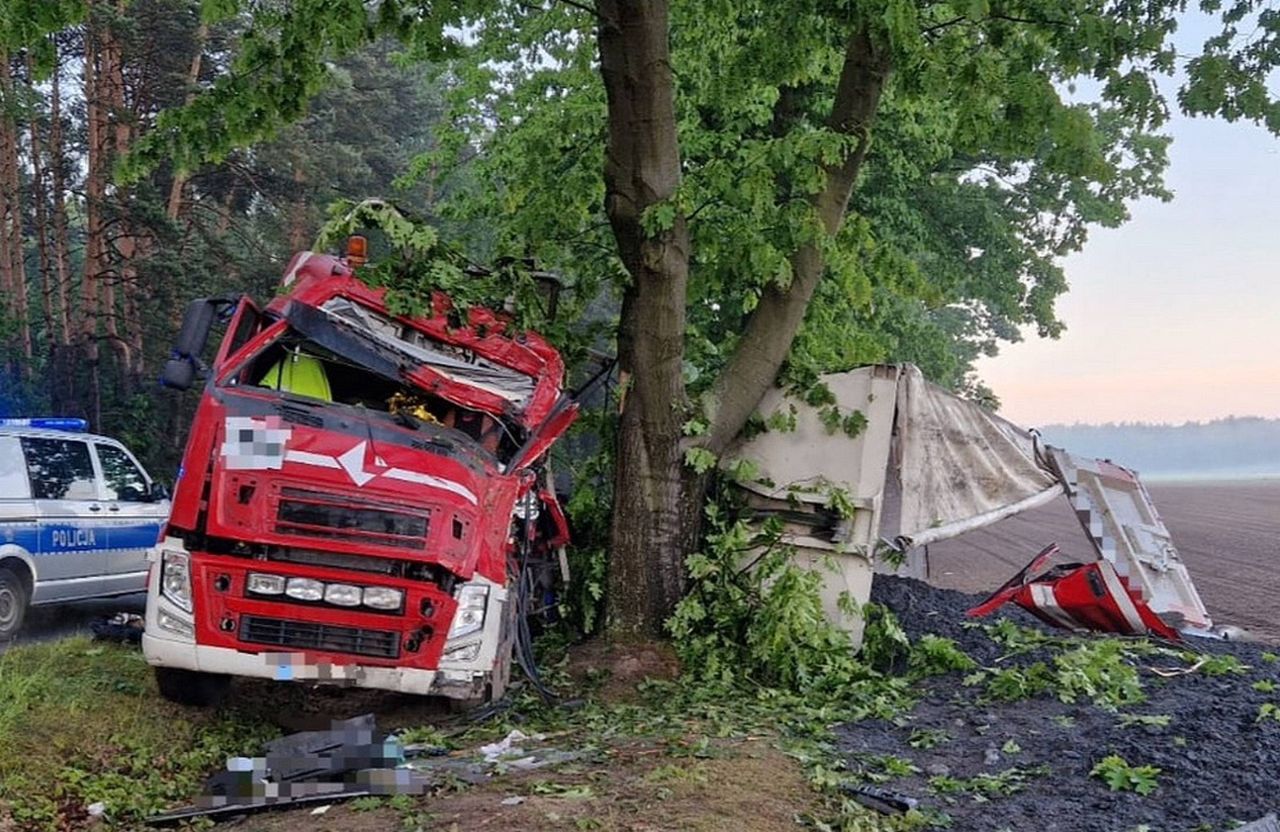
x=974, y=761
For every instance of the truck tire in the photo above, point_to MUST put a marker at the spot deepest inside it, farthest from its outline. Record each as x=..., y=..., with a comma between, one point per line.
x=191, y=687
x=13, y=604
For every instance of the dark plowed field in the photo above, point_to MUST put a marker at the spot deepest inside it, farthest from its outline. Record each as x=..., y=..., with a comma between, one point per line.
x=1227, y=532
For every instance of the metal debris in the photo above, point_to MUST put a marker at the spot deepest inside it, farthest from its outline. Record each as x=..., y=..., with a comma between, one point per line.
x=351, y=759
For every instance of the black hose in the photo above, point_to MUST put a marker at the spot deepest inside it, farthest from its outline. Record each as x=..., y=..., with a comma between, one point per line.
x=523, y=648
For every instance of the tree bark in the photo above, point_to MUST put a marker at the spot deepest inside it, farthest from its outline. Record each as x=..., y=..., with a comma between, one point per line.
x=642, y=170
x=40, y=196
x=174, y=207
x=94, y=191
x=298, y=209
x=61, y=238
x=117, y=257
x=753, y=367
x=16, y=268
x=7, y=285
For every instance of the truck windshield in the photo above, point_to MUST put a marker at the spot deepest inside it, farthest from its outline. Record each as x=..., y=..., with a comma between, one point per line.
x=455, y=363
x=334, y=362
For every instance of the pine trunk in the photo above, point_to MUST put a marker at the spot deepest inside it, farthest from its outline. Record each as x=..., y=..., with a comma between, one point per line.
x=13, y=198
x=94, y=190
x=61, y=237
x=40, y=196
x=173, y=209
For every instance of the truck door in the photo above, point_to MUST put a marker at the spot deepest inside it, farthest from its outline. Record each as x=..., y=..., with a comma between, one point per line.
x=133, y=518
x=69, y=518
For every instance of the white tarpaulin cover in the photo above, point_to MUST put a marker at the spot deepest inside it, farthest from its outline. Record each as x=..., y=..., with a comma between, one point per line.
x=958, y=467
x=961, y=467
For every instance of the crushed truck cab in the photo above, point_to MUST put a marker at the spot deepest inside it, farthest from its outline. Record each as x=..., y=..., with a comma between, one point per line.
x=361, y=497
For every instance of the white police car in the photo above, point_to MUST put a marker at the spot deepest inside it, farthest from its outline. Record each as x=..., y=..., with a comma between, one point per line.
x=77, y=515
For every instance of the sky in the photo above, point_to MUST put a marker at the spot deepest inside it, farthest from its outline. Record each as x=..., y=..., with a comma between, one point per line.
x=1174, y=316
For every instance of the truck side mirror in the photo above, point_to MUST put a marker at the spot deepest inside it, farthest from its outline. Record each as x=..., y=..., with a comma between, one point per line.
x=178, y=374
x=180, y=371
x=196, y=324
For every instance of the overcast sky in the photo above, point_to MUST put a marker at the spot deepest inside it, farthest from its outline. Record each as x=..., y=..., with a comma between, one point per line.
x=1175, y=316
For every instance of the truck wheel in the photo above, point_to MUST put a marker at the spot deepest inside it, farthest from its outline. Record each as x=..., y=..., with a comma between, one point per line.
x=13, y=604
x=191, y=687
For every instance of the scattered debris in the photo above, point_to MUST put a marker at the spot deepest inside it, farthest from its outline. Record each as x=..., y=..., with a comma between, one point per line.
x=124, y=627
x=1269, y=823
x=504, y=747
x=1077, y=596
x=882, y=800
x=352, y=759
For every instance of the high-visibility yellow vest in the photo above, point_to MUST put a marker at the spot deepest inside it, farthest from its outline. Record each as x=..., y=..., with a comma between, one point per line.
x=301, y=374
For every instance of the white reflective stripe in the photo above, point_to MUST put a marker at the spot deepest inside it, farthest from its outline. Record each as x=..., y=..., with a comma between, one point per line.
x=293, y=273
x=308, y=458
x=1044, y=599
x=1123, y=601
x=434, y=482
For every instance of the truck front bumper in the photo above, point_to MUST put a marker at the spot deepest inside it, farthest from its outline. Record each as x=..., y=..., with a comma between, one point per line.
x=290, y=667
x=169, y=641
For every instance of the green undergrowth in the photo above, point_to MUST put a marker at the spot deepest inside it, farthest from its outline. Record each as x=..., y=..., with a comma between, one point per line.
x=82, y=722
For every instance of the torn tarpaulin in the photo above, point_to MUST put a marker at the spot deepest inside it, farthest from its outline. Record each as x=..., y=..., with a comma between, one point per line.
x=1075, y=596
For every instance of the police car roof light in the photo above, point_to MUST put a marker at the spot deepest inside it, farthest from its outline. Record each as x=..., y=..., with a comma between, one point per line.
x=48, y=423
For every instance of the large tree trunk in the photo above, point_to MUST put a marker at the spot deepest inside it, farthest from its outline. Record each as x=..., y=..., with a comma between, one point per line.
x=657, y=507
x=7, y=143
x=298, y=237
x=642, y=169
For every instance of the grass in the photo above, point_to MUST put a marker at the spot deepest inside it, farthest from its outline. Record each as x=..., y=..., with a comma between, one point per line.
x=82, y=723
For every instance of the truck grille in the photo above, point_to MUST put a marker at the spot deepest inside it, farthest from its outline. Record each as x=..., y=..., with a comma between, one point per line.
x=307, y=635
x=317, y=514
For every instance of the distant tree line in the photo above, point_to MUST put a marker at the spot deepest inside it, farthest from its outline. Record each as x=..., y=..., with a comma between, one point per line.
x=1224, y=447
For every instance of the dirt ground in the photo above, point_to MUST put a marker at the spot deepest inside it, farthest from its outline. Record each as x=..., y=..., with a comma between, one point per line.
x=634, y=787
x=1228, y=534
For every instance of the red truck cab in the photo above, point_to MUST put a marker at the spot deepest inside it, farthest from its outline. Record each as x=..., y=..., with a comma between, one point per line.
x=358, y=494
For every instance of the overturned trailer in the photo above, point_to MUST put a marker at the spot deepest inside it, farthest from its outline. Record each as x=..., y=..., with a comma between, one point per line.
x=926, y=466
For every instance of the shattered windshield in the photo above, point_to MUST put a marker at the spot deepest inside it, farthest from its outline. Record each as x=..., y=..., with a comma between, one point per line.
x=333, y=367
x=455, y=363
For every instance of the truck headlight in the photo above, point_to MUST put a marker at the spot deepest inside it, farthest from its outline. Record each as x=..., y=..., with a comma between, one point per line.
x=469, y=618
x=175, y=579
x=174, y=624
x=383, y=598
x=304, y=589
x=463, y=652
x=260, y=584
x=342, y=595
